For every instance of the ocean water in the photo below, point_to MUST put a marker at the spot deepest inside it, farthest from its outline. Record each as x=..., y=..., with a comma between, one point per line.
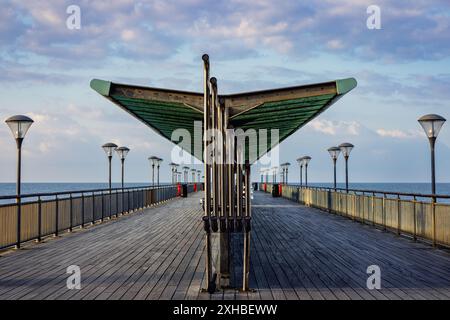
x=7, y=189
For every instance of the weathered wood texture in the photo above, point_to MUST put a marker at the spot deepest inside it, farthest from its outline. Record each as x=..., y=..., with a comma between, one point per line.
x=296, y=253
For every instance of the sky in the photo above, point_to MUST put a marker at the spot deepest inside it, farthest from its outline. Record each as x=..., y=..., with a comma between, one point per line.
x=402, y=69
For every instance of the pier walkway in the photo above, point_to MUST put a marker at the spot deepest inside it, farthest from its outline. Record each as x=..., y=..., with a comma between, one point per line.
x=158, y=253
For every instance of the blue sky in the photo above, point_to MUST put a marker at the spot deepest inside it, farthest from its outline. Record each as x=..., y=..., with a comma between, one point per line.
x=403, y=72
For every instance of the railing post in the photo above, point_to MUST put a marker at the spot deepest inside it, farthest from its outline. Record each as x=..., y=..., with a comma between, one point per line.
x=93, y=208
x=415, y=219
x=82, y=210
x=433, y=217
x=363, y=208
x=383, y=213
x=103, y=205
x=117, y=203
x=399, y=221
x=373, y=208
x=70, y=213
x=56, y=215
x=39, y=219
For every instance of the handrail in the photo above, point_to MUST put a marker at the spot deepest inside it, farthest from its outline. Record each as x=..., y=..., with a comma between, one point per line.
x=415, y=215
x=49, y=213
x=406, y=194
x=69, y=192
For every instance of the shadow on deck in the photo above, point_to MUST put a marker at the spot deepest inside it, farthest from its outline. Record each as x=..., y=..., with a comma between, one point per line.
x=296, y=253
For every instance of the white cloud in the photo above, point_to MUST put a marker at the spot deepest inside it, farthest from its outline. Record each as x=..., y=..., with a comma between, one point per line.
x=398, y=134
x=335, y=127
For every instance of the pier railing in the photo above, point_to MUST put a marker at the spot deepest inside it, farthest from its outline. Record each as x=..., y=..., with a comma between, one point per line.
x=46, y=214
x=420, y=216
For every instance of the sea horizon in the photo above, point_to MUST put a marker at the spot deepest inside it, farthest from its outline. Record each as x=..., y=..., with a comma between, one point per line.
x=9, y=188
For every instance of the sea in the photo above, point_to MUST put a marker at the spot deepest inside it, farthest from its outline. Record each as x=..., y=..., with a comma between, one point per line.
x=9, y=189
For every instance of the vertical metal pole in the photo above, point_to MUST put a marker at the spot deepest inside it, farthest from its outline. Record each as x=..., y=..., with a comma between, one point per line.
x=122, y=191
x=70, y=213
x=82, y=210
x=56, y=216
x=39, y=218
x=93, y=207
x=207, y=202
x=334, y=165
x=306, y=174
x=214, y=116
x=301, y=176
x=415, y=219
x=246, y=266
x=157, y=175
x=433, y=166
x=18, y=190
x=346, y=173
x=110, y=185
x=399, y=215
x=153, y=175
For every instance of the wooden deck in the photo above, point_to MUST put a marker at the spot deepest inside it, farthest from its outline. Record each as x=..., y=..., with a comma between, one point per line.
x=297, y=253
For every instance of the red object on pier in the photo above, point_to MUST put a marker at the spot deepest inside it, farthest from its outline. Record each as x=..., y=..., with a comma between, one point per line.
x=195, y=187
x=178, y=190
x=280, y=189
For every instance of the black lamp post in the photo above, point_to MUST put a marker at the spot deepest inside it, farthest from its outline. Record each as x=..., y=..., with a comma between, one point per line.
x=300, y=163
x=158, y=165
x=334, y=153
x=153, y=161
x=122, y=152
x=346, y=148
x=432, y=124
x=109, y=150
x=19, y=126
x=198, y=175
x=306, y=161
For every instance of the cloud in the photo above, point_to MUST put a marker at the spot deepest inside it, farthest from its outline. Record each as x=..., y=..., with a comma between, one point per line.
x=333, y=128
x=399, y=134
x=159, y=29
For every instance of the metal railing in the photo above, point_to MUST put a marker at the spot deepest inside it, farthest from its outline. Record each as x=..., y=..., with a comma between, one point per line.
x=420, y=216
x=45, y=214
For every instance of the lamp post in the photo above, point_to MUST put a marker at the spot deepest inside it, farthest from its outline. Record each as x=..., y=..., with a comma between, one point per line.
x=153, y=161
x=261, y=171
x=199, y=172
x=109, y=150
x=274, y=174
x=286, y=172
x=19, y=126
x=122, y=152
x=334, y=153
x=346, y=148
x=193, y=171
x=306, y=161
x=432, y=124
x=300, y=164
x=158, y=165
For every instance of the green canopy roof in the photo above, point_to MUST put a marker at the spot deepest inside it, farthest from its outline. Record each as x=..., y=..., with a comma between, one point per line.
x=285, y=109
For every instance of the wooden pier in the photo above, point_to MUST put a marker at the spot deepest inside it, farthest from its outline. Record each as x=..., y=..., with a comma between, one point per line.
x=158, y=253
